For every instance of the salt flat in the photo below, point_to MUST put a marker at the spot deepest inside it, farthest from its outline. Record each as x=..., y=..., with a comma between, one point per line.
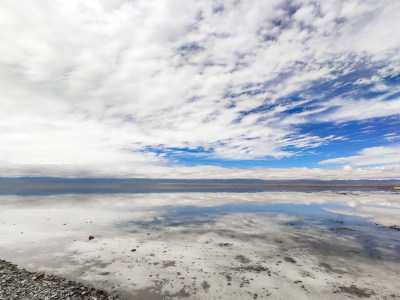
x=278, y=245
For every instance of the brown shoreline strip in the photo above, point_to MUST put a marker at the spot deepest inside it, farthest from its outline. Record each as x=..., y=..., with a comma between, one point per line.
x=23, y=285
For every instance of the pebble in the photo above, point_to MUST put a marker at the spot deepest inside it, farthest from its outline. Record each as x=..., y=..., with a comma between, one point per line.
x=23, y=285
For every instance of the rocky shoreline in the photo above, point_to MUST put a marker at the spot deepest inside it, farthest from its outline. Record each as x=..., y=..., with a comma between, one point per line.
x=20, y=284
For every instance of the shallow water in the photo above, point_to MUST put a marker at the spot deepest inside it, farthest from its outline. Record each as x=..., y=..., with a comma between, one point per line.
x=272, y=244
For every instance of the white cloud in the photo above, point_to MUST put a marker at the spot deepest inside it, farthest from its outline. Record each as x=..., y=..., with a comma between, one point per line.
x=82, y=81
x=198, y=172
x=391, y=136
x=370, y=156
x=360, y=109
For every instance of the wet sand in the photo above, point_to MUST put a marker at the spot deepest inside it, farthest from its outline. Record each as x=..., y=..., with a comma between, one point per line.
x=277, y=245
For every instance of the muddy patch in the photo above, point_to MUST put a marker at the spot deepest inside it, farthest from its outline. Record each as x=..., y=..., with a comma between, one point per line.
x=242, y=259
x=255, y=269
x=290, y=260
x=354, y=290
x=328, y=268
x=169, y=263
x=205, y=285
x=225, y=244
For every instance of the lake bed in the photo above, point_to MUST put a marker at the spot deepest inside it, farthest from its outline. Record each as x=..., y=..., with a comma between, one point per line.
x=278, y=244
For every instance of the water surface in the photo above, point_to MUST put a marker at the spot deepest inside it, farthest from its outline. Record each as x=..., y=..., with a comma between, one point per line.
x=276, y=244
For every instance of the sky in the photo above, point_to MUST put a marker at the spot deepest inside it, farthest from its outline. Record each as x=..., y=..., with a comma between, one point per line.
x=200, y=88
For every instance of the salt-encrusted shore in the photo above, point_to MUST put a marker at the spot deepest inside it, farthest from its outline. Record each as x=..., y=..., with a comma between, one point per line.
x=20, y=284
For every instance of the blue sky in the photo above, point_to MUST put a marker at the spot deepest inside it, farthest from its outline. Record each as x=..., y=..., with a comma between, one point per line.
x=185, y=88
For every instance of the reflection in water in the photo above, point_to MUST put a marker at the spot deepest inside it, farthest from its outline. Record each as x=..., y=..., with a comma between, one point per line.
x=206, y=245
x=306, y=216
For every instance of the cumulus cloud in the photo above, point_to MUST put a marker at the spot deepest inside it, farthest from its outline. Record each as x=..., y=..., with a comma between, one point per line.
x=107, y=83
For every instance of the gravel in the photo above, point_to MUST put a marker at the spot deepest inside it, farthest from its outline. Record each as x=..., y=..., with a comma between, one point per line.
x=23, y=285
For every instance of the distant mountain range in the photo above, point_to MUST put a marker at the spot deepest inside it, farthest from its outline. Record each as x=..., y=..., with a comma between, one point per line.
x=52, y=185
x=197, y=181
